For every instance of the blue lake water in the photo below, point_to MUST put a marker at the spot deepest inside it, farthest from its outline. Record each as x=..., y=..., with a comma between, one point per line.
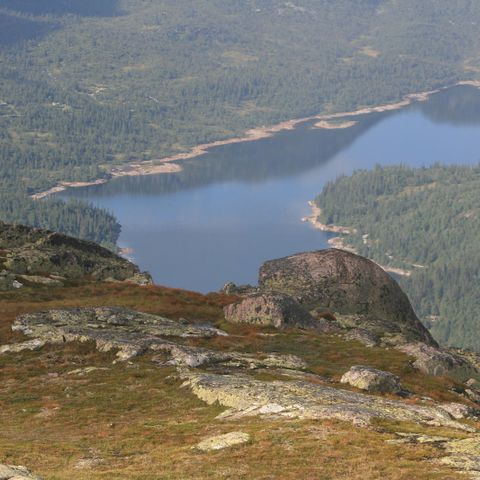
x=239, y=205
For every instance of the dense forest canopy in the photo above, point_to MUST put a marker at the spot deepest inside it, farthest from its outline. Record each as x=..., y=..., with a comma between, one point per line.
x=86, y=85
x=425, y=221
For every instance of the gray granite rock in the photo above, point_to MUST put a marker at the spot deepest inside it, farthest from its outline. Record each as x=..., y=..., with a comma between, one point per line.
x=245, y=396
x=10, y=472
x=439, y=361
x=270, y=309
x=372, y=380
x=346, y=284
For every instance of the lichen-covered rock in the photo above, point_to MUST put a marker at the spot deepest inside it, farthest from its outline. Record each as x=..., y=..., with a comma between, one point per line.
x=460, y=411
x=10, y=472
x=372, y=380
x=184, y=356
x=348, y=284
x=231, y=289
x=42, y=280
x=130, y=333
x=31, y=345
x=367, y=338
x=440, y=361
x=133, y=333
x=417, y=438
x=473, y=383
x=299, y=399
x=463, y=455
x=220, y=442
x=473, y=394
x=39, y=253
x=269, y=309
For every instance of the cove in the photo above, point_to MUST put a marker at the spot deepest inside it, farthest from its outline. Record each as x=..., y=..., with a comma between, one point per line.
x=238, y=205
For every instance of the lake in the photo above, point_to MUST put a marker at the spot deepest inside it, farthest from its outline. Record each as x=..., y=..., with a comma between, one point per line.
x=241, y=204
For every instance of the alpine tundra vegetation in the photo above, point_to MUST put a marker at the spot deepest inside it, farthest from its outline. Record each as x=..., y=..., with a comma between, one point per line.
x=185, y=138
x=99, y=375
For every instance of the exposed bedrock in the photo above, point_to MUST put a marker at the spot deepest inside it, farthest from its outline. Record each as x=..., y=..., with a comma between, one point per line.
x=243, y=395
x=356, y=289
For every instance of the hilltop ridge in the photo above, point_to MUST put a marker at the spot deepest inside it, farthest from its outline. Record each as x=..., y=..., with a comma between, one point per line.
x=36, y=255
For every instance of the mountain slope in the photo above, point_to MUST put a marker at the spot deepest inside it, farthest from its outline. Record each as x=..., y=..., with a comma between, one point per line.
x=88, y=88
x=115, y=379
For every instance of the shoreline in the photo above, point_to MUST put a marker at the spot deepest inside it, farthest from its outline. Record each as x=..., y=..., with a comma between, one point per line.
x=340, y=242
x=132, y=170
x=326, y=125
x=168, y=165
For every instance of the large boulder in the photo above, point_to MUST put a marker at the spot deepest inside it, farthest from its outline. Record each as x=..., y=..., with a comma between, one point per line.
x=355, y=288
x=270, y=309
x=372, y=380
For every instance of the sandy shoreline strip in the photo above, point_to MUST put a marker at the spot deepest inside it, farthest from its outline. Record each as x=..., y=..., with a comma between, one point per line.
x=326, y=125
x=340, y=242
x=168, y=165
x=132, y=170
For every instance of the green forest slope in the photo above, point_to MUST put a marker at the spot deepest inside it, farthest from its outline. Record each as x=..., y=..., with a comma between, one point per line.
x=88, y=85
x=426, y=221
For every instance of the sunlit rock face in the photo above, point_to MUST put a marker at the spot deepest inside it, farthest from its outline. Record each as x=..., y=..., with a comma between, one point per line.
x=355, y=288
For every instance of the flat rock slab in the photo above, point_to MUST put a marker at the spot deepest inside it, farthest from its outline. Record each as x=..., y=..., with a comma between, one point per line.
x=133, y=333
x=130, y=332
x=460, y=411
x=220, y=442
x=10, y=472
x=463, y=455
x=244, y=395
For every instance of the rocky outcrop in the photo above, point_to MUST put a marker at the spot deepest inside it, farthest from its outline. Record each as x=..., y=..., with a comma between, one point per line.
x=35, y=253
x=220, y=442
x=130, y=333
x=460, y=411
x=133, y=333
x=372, y=380
x=9, y=472
x=365, y=337
x=463, y=455
x=270, y=309
x=194, y=357
x=349, y=285
x=345, y=293
x=231, y=289
x=440, y=362
x=245, y=396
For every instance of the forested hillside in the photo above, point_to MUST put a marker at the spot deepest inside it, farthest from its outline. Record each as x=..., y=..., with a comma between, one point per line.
x=426, y=221
x=86, y=85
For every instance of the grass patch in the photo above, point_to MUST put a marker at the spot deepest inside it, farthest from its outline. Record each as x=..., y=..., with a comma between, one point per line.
x=134, y=421
x=137, y=423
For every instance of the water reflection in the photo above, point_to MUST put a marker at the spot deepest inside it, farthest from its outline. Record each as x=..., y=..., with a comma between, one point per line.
x=239, y=205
